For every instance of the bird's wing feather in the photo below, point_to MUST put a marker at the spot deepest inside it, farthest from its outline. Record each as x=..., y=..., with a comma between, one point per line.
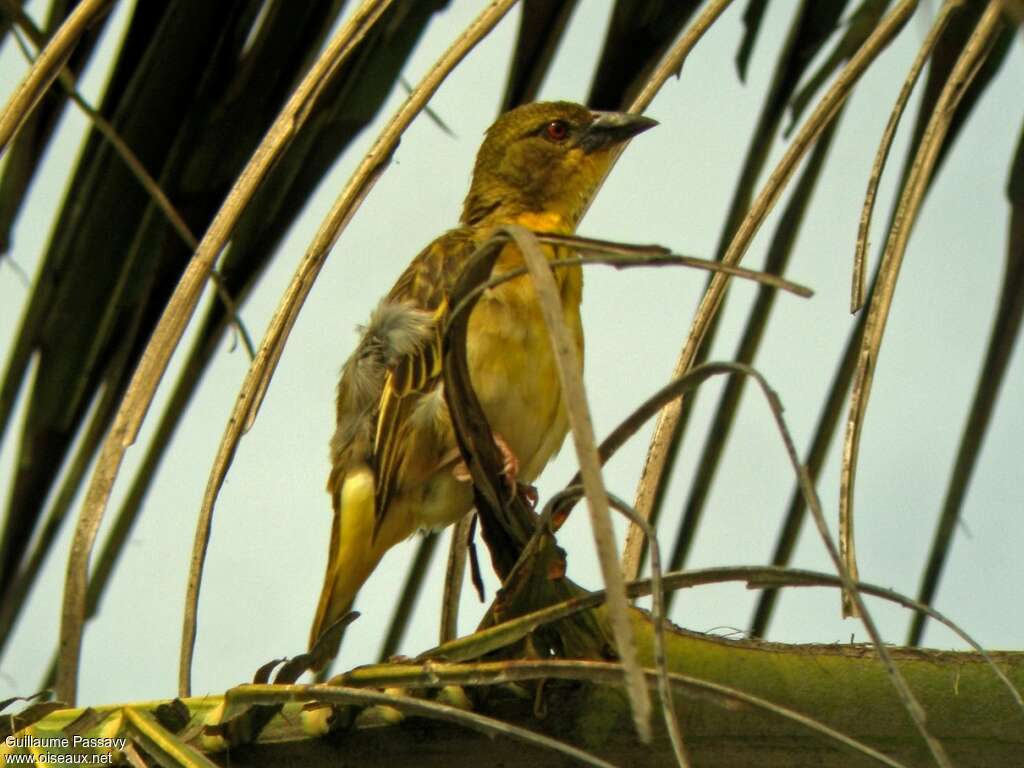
x=414, y=374
x=426, y=284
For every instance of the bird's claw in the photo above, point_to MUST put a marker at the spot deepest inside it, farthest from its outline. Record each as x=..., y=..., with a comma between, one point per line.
x=529, y=494
x=510, y=462
x=509, y=466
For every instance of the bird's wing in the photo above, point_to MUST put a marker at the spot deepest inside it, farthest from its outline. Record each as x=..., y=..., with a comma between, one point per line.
x=414, y=374
x=398, y=361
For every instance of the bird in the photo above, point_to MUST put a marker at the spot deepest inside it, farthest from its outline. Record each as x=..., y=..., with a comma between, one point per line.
x=395, y=464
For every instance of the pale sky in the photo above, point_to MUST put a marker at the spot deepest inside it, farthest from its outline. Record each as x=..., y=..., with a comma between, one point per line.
x=672, y=187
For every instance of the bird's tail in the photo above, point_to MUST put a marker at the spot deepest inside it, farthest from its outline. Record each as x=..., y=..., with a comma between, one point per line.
x=352, y=557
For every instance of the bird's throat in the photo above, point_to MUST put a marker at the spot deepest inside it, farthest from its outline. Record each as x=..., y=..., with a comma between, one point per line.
x=547, y=221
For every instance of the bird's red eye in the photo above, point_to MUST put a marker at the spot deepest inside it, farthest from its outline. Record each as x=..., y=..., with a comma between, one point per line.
x=556, y=130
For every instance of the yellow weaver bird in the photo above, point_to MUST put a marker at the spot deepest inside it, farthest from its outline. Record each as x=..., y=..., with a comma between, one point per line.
x=395, y=463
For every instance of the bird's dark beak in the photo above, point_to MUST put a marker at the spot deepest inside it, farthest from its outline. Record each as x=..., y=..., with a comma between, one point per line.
x=610, y=128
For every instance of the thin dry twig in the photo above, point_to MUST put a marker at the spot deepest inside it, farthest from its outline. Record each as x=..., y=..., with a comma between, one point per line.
x=655, y=464
x=885, y=145
x=454, y=576
x=627, y=256
x=260, y=372
x=668, y=707
x=967, y=65
x=575, y=399
x=47, y=67
x=624, y=255
x=171, y=326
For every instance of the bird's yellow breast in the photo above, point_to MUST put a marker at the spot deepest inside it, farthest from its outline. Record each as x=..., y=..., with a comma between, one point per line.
x=513, y=367
x=544, y=221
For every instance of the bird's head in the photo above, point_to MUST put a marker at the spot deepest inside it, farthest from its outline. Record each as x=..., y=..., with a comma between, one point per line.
x=545, y=158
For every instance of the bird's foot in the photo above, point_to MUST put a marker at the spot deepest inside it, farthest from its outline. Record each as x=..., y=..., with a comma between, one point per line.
x=510, y=462
x=509, y=465
x=529, y=494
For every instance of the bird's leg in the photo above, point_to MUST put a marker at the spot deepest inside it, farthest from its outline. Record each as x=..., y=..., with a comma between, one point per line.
x=510, y=462
x=509, y=465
